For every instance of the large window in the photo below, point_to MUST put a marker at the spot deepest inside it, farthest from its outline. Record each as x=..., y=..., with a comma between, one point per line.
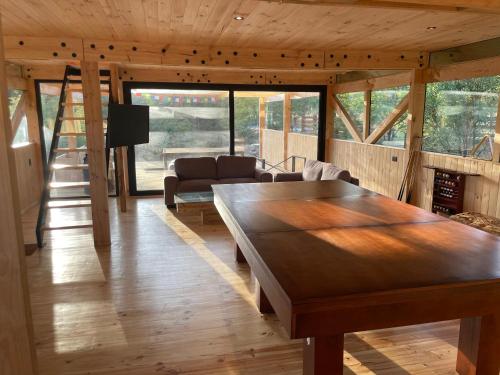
x=383, y=103
x=183, y=123
x=354, y=104
x=270, y=123
x=458, y=114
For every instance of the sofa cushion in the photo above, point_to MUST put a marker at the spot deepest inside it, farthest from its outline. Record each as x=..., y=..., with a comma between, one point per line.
x=237, y=180
x=312, y=170
x=235, y=167
x=195, y=168
x=331, y=172
x=188, y=186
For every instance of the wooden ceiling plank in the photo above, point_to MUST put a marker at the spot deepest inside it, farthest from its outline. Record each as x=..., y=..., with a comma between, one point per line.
x=481, y=6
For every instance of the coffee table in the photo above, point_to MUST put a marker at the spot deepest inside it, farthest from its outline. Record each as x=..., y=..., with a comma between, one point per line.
x=200, y=202
x=332, y=258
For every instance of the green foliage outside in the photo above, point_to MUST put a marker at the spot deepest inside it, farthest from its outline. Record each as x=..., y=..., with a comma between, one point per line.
x=274, y=115
x=14, y=96
x=459, y=113
x=305, y=115
x=354, y=104
x=383, y=103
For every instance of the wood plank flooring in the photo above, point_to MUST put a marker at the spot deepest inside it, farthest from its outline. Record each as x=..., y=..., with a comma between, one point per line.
x=168, y=298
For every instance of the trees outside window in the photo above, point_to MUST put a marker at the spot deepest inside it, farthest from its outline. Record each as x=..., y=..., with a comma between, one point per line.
x=458, y=114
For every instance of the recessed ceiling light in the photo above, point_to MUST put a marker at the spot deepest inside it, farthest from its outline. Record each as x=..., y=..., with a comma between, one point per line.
x=431, y=28
x=239, y=18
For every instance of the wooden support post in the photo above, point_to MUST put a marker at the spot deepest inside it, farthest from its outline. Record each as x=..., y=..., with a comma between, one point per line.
x=117, y=96
x=262, y=124
x=416, y=104
x=496, y=146
x=17, y=351
x=367, y=114
x=287, y=119
x=96, y=153
x=330, y=114
x=479, y=346
x=34, y=131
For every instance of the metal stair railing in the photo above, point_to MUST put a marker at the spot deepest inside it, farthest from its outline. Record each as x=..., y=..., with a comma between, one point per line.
x=264, y=163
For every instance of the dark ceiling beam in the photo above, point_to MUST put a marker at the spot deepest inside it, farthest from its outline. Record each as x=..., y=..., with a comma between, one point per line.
x=474, y=51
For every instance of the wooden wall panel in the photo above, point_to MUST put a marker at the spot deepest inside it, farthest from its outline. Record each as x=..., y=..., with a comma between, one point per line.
x=302, y=145
x=28, y=175
x=482, y=193
x=273, y=146
x=376, y=171
x=372, y=164
x=17, y=350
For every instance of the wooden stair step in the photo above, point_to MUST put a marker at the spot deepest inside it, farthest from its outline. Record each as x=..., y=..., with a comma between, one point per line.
x=68, y=185
x=72, y=134
x=78, y=104
x=70, y=149
x=72, y=118
x=62, y=167
x=70, y=225
x=69, y=203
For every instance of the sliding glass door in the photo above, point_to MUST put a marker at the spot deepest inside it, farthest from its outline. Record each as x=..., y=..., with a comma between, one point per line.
x=182, y=123
x=278, y=127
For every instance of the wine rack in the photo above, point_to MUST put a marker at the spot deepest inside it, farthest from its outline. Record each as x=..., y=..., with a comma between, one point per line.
x=448, y=192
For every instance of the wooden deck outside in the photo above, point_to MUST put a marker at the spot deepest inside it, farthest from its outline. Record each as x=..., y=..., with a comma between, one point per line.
x=168, y=298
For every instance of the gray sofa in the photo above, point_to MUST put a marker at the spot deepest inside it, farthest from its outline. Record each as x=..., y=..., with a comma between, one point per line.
x=198, y=174
x=315, y=170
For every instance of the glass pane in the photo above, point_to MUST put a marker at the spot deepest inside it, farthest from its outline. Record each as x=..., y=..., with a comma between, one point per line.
x=274, y=111
x=22, y=133
x=383, y=103
x=339, y=129
x=458, y=114
x=14, y=97
x=49, y=98
x=183, y=123
x=305, y=113
x=246, y=123
x=354, y=104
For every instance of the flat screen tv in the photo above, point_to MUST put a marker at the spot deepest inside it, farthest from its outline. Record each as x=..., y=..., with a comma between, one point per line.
x=128, y=125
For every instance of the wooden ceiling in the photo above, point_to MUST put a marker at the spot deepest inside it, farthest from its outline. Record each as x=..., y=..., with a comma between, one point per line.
x=267, y=24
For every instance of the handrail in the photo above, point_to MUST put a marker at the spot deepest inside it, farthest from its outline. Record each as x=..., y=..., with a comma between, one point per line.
x=275, y=166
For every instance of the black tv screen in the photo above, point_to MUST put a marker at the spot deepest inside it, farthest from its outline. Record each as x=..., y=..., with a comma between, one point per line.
x=128, y=125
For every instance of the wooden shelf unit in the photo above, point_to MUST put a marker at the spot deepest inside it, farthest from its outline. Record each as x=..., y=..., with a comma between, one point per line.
x=448, y=191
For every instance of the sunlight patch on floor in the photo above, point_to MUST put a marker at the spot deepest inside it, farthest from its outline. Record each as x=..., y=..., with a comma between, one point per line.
x=101, y=322
x=199, y=246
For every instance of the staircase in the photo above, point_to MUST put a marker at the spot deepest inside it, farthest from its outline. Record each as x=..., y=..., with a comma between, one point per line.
x=66, y=177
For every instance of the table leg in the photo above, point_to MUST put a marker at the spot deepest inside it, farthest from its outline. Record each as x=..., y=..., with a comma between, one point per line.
x=263, y=303
x=324, y=355
x=479, y=346
x=240, y=258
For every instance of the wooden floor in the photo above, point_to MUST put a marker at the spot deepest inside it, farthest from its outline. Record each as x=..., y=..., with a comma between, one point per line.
x=168, y=298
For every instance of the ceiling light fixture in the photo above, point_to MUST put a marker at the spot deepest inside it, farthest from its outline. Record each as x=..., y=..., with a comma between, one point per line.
x=431, y=28
x=239, y=18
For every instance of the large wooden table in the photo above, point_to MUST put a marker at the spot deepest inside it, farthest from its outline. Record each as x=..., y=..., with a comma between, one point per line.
x=333, y=258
